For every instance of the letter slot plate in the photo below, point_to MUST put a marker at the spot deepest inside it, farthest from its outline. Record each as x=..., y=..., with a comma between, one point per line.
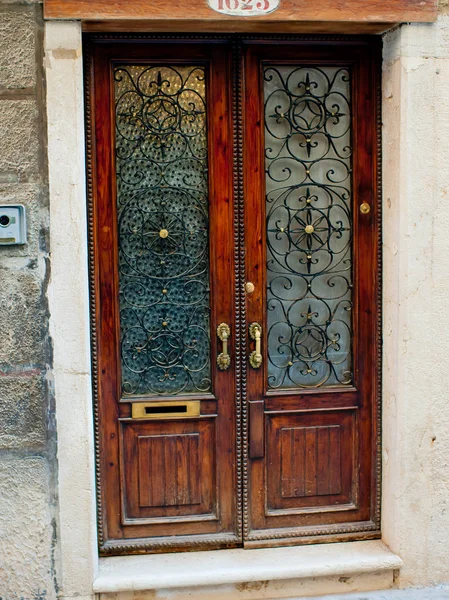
x=166, y=410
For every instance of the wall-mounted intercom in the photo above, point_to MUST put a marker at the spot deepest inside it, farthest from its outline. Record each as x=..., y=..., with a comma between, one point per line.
x=13, y=229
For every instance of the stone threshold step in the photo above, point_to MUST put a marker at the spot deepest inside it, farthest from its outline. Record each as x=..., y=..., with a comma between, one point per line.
x=193, y=569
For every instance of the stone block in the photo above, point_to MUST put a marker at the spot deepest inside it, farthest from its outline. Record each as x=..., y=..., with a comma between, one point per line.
x=26, y=567
x=63, y=35
x=19, y=144
x=443, y=7
x=20, y=2
x=23, y=406
x=17, y=48
x=22, y=318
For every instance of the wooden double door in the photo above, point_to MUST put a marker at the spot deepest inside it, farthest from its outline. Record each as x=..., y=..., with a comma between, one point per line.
x=235, y=283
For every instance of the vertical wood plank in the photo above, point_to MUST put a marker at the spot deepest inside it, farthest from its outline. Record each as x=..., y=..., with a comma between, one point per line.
x=193, y=469
x=310, y=464
x=334, y=460
x=286, y=461
x=183, y=492
x=323, y=463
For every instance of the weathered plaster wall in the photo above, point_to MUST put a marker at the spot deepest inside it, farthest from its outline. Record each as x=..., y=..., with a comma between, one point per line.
x=28, y=524
x=415, y=515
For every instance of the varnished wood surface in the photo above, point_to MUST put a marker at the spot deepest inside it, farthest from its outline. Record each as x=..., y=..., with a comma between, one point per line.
x=172, y=485
x=288, y=492
x=237, y=26
x=166, y=477
x=374, y=11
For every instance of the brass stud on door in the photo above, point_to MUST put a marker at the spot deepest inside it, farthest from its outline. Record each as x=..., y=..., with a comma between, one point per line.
x=249, y=287
x=365, y=208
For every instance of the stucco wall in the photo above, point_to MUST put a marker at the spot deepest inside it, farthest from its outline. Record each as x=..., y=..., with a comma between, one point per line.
x=28, y=523
x=415, y=516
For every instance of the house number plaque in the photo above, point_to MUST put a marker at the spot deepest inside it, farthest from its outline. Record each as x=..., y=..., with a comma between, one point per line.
x=244, y=8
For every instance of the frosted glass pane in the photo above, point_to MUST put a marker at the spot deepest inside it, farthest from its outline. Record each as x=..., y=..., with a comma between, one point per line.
x=309, y=225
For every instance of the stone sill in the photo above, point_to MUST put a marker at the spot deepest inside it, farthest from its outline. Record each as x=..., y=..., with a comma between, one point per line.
x=193, y=569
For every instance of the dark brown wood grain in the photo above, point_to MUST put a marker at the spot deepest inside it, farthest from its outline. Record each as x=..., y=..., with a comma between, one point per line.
x=198, y=13
x=169, y=473
x=311, y=468
x=147, y=488
x=235, y=26
x=291, y=505
x=256, y=429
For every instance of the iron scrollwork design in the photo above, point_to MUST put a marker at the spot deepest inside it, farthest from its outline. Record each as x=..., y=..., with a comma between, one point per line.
x=162, y=187
x=309, y=225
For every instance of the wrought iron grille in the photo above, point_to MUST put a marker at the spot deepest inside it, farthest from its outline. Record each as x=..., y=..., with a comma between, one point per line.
x=162, y=200
x=309, y=225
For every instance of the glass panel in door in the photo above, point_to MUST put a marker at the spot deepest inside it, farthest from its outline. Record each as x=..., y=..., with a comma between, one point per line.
x=163, y=224
x=309, y=229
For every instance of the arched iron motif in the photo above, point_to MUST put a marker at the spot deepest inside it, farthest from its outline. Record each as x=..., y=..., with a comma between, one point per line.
x=162, y=205
x=309, y=225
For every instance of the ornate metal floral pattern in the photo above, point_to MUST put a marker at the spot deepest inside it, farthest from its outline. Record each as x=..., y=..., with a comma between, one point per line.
x=309, y=230
x=162, y=200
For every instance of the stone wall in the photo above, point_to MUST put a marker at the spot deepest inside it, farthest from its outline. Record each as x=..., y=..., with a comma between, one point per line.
x=28, y=527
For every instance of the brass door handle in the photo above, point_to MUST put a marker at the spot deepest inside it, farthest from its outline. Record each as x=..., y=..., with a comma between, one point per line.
x=255, y=333
x=223, y=359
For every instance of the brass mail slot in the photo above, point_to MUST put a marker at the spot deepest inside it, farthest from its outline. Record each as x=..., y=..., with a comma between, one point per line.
x=166, y=410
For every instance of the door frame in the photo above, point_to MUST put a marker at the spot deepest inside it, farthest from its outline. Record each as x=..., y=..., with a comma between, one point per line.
x=371, y=530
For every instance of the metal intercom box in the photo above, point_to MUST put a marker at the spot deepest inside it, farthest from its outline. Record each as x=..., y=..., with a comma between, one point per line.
x=12, y=224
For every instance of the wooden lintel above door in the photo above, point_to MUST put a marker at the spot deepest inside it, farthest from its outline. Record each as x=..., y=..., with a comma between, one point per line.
x=290, y=16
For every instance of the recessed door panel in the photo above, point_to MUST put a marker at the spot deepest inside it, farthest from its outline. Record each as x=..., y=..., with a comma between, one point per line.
x=310, y=462
x=169, y=471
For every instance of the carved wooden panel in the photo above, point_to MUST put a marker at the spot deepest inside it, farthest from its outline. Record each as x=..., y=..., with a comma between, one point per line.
x=168, y=470
x=310, y=461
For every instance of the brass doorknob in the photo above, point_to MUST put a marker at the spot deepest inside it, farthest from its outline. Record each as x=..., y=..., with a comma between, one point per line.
x=365, y=208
